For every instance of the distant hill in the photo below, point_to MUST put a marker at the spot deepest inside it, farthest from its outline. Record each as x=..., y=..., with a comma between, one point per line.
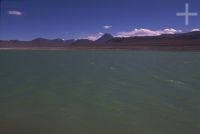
x=190, y=35
x=183, y=41
x=82, y=42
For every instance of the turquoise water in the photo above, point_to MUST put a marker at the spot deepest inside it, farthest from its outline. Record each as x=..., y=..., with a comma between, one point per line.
x=99, y=92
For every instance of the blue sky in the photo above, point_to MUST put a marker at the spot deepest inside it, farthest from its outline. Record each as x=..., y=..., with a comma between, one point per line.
x=29, y=19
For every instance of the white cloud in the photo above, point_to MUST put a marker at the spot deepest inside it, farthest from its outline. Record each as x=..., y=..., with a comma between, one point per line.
x=93, y=37
x=136, y=32
x=107, y=27
x=15, y=13
x=147, y=32
x=170, y=31
x=195, y=30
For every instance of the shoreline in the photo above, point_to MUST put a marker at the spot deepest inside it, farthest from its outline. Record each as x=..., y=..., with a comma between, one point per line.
x=128, y=48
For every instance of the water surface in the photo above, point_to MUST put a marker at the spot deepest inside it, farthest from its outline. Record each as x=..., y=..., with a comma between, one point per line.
x=99, y=92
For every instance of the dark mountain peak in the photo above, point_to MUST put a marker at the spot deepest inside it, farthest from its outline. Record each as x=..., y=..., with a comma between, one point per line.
x=106, y=37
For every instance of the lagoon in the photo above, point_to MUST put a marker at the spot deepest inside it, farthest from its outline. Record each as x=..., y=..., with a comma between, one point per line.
x=99, y=92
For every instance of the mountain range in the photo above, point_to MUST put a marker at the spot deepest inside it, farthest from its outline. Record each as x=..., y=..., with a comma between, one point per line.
x=184, y=41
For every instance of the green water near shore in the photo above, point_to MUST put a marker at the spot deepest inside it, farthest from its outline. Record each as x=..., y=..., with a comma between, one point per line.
x=99, y=92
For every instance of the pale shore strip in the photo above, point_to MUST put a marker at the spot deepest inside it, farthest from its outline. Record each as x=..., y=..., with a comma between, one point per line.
x=131, y=48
